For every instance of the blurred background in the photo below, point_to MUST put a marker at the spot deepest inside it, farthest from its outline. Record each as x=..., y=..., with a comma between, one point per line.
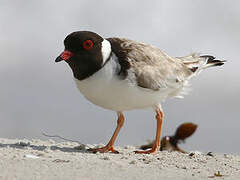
x=37, y=95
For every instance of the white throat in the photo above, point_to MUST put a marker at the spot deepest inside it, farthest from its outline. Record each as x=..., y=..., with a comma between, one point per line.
x=106, y=50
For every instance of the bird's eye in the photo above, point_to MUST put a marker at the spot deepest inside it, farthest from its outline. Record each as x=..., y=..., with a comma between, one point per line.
x=87, y=45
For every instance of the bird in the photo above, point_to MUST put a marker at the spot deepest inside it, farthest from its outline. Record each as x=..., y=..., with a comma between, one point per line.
x=170, y=143
x=120, y=74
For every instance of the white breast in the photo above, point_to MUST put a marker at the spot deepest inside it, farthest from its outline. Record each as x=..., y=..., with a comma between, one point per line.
x=105, y=89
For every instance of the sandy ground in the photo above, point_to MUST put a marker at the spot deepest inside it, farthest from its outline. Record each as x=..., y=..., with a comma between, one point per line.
x=36, y=159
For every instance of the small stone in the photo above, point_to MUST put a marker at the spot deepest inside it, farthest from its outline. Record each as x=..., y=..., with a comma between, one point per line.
x=80, y=147
x=195, y=153
x=133, y=162
x=191, y=154
x=210, y=154
x=24, y=144
x=106, y=158
x=60, y=161
x=31, y=156
x=218, y=174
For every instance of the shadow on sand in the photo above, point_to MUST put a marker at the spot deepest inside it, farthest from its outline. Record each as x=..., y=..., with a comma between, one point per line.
x=23, y=145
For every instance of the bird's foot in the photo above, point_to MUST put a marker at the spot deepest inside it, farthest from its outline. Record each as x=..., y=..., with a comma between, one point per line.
x=151, y=151
x=104, y=149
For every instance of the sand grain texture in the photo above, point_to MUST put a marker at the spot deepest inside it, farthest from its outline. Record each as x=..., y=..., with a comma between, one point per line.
x=36, y=159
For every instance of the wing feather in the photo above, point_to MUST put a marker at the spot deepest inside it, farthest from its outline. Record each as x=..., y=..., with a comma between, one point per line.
x=153, y=68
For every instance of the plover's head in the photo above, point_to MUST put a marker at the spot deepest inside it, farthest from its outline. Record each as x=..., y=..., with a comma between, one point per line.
x=85, y=52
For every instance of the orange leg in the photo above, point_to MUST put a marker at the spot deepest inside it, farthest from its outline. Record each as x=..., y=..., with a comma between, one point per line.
x=109, y=146
x=156, y=145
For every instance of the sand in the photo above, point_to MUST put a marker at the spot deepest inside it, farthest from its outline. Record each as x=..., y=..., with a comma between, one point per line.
x=37, y=159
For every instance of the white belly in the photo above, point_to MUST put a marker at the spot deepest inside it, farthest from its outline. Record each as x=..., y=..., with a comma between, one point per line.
x=105, y=89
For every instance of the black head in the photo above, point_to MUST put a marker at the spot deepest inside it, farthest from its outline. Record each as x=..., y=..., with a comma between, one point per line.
x=83, y=53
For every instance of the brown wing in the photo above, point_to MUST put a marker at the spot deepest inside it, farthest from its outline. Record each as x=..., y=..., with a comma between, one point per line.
x=153, y=68
x=185, y=130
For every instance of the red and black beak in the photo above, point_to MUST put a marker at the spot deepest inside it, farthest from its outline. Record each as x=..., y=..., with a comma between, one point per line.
x=66, y=55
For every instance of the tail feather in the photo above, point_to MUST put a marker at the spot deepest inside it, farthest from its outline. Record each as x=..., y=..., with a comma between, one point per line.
x=197, y=63
x=212, y=61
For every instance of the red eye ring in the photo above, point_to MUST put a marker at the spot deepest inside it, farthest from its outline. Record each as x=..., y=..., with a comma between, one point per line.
x=87, y=45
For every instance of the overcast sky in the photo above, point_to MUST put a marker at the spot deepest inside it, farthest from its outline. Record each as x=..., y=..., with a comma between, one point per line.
x=37, y=95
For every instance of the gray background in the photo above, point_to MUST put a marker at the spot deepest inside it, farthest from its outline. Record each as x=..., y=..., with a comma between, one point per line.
x=37, y=95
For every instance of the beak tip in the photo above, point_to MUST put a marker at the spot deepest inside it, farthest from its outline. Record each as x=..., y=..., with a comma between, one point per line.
x=58, y=59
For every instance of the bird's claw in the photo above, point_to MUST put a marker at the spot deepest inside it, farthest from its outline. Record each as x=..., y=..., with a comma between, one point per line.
x=103, y=150
x=151, y=151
